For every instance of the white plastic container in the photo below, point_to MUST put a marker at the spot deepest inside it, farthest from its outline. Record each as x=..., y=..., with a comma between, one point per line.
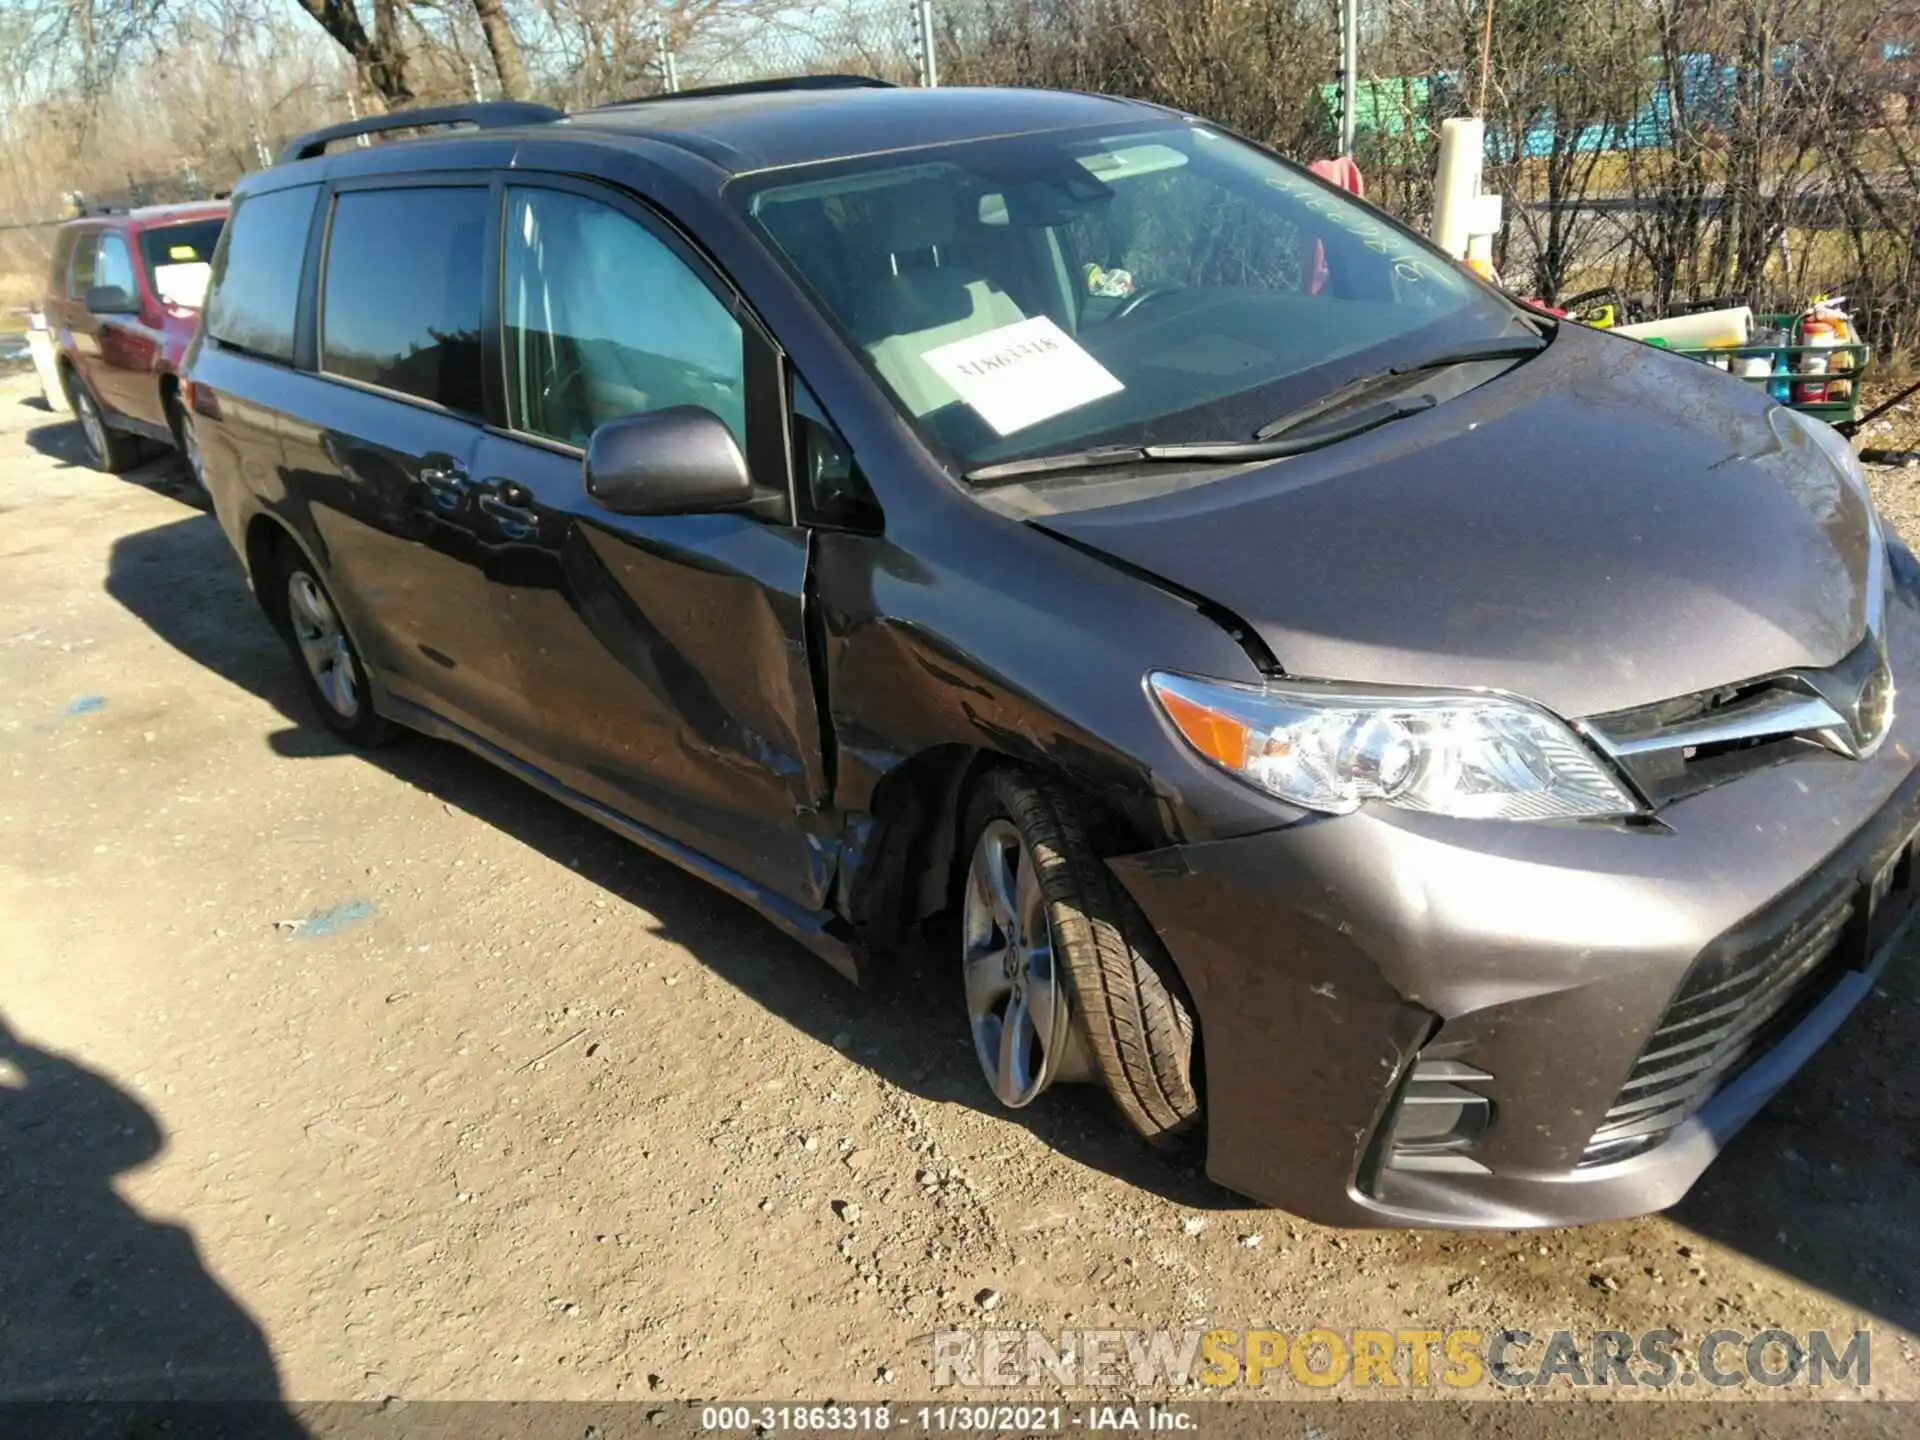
x=1709, y=327
x=45, y=363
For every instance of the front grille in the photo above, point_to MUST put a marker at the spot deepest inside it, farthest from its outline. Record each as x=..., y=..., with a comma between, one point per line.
x=1732, y=1003
x=1679, y=747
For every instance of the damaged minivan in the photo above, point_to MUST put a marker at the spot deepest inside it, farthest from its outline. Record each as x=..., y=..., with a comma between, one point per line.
x=1442, y=762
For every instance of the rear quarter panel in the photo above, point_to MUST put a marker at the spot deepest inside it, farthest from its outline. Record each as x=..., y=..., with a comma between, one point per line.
x=234, y=403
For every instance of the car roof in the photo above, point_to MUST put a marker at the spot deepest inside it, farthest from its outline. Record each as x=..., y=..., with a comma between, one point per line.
x=148, y=217
x=771, y=128
x=734, y=130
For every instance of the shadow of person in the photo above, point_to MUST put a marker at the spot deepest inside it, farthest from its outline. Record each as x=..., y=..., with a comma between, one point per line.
x=184, y=584
x=98, y=1303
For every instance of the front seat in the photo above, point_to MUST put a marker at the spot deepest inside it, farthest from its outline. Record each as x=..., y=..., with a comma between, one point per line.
x=924, y=293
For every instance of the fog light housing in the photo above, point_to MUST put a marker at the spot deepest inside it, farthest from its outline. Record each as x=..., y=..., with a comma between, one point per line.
x=1438, y=1118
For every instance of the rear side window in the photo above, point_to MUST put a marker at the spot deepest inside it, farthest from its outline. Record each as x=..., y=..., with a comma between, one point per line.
x=81, y=276
x=62, y=263
x=256, y=272
x=401, y=305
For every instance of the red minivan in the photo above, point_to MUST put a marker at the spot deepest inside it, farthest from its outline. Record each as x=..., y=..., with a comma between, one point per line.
x=123, y=300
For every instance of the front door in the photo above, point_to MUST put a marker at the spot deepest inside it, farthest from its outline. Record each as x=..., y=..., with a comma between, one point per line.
x=128, y=346
x=661, y=661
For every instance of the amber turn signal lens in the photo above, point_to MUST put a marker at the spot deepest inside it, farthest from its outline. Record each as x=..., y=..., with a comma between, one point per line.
x=1221, y=738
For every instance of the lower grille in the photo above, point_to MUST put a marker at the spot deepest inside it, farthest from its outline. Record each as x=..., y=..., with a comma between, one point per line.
x=1729, y=1006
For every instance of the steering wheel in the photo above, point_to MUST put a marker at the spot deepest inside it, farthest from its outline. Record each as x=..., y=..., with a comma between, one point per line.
x=1141, y=296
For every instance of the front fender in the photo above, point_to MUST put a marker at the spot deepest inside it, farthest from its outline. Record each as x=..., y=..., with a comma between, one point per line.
x=972, y=630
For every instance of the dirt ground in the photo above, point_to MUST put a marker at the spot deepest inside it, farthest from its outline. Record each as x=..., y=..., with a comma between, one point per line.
x=333, y=1076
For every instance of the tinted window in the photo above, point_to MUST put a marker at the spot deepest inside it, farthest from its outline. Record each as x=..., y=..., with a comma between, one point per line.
x=603, y=319
x=114, y=266
x=256, y=272
x=401, y=307
x=84, y=249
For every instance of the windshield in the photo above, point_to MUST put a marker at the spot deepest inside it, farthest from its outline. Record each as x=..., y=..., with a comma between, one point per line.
x=1169, y=283
x=178, y=260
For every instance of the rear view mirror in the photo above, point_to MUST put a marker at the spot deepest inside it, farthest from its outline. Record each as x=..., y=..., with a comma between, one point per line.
x=677, y=461
x=110, y=300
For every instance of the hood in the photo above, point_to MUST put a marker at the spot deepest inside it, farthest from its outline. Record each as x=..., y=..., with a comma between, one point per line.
x=1602, y=527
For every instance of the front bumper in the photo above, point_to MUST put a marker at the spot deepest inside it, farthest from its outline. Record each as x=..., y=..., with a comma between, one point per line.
x=1325, y=958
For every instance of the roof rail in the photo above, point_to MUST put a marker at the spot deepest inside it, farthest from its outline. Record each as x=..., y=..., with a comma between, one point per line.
x=483, y=114
x=760, y=87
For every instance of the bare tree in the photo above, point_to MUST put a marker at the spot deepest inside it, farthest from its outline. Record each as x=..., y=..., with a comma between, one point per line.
x=508, y=63
x=1680, y=149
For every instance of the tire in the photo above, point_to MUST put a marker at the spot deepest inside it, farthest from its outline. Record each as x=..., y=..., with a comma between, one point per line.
x=108, y=450
x=1131, y=1019
x=187, y=456
x=325, y=655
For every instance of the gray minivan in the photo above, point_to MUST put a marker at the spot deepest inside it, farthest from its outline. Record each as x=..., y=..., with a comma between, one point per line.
x=1442, y=761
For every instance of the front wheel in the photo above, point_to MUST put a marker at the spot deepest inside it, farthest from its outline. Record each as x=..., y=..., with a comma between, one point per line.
x=1063, y=977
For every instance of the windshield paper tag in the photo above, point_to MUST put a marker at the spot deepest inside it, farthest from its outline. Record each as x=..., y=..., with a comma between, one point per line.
x=1019, y=375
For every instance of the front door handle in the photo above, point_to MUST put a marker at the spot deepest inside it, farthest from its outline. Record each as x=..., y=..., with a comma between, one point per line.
x=511, y=503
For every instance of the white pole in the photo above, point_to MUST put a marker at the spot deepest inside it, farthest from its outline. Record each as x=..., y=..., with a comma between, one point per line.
x=353, y=112
x=929, y=68
x=1349, y=72
x=669, y=70
x=1456, y=183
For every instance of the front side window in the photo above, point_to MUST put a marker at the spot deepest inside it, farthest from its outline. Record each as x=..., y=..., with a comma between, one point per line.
x=400, y=304
x=255, y=288
x=1023, y=295
x=604, y=319
x=114, y=266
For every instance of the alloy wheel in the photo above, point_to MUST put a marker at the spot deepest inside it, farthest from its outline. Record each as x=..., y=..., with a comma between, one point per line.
x=323, y=644
x=91, y=425
x=1017, y=999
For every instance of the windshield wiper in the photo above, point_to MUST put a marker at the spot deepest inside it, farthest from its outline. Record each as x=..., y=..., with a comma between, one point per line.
x=1201, y=452
x=1512, y=347
x=1305, y=429
x=1091, y=458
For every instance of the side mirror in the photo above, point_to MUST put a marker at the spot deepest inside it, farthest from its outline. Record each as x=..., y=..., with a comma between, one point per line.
x=111, y=300
x=677, y=461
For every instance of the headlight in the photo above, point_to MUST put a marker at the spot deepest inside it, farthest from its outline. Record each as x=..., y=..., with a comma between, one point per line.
x=1475, y=756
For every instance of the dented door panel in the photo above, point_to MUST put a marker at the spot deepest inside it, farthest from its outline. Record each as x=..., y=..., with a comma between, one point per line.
x=991, y=638
x=660, y=666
